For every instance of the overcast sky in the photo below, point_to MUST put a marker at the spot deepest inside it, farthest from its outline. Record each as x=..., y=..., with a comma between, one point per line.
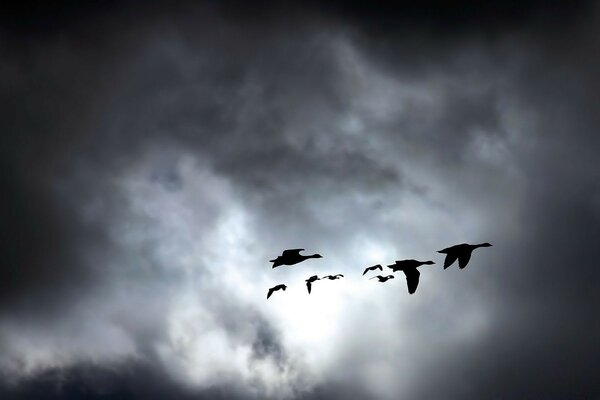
x=154, y=158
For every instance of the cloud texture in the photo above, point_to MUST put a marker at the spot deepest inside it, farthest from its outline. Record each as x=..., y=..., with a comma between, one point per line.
x=155, y=157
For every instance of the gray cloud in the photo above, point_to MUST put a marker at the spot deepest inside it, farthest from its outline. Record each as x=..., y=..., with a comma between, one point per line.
x=156, y=158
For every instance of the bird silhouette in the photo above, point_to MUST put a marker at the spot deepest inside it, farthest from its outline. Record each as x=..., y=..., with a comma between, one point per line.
x=409, y=267
x=462, y=252
x=276, y=288
x=332, y=277
x=373, y=268
x=382, y=278
x=291, y=257
x=310, y=280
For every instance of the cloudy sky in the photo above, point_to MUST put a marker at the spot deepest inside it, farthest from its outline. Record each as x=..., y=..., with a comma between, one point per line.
x=155, y=157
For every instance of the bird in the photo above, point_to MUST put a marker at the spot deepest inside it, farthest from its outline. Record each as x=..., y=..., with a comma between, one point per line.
x=332, y=277
x=310, y=280
x=373, y=268
x=409, y=267
x=291, y=257
x=462, y=252
x=276, y=288
x=382, y=278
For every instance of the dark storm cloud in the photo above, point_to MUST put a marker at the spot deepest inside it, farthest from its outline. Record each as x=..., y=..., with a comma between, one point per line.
x=543, y=340
x=257, y=93
x=130, y=379
x=135, y=379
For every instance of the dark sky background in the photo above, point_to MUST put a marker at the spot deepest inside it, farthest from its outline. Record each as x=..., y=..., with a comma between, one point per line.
x=153, y=158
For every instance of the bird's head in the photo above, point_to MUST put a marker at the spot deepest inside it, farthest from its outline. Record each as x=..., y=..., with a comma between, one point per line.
x=390, y=276
x=485, y=245
x=283, y=287
x=428, y=263
x=317, y=256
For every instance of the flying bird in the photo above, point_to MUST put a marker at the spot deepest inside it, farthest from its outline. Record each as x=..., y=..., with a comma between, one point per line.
x=373, y=268
x=462, y=252
x=276, y=288
x=291, y=257
x=382, y=278
x=333, y=277
x=409, y=267
x=310, y=280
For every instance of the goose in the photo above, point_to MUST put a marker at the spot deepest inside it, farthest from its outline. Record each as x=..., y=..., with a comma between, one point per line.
x=462, y=252
x=382, y=278
x=276, y=288
x=333, y=277
x=310, y=280
x=373, y=268
x=409, y=267
x=291, y=257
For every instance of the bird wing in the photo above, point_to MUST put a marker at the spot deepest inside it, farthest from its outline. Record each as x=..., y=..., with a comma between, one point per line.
x=308, y=286
x=378, y=266
x=367, y=270
x=463, y=259
x=412, y=279
x=290, y=252
x=270, y=293
x=450, y=258
x=452, y=248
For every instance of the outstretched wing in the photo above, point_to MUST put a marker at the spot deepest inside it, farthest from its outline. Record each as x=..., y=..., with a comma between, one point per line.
x=450, y=258
x=463, y=259
x=270, y=293
x=373, y=268
x=412, y=279
x=308, y=285
x=290, y=252
x=451, y=249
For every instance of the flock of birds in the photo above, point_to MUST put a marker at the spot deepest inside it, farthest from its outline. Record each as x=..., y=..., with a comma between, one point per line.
x=461, y=252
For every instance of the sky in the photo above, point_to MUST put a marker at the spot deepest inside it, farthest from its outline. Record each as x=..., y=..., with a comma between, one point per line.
x=155, y=156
